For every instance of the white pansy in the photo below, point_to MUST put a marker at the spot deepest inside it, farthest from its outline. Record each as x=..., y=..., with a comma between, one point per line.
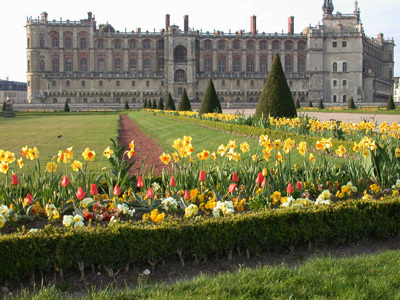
x=68, y=220
x=223, y=208
x=191, y=210
x=78, y=218
x=79, y=224
x=168, y=203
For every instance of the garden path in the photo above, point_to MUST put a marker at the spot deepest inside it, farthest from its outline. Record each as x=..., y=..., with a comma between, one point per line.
x=146, y=149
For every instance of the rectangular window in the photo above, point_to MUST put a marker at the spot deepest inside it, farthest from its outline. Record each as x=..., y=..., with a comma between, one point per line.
x=237, y=82
x=344, y=44
x=290, y=83
x=344, y=82
x=117, y=82
x=335, y=83
x=83, y=83
x=223, y=82
x=101, y=83
x=147, y=83
x=67, y=83
x=252, y=83
x=334, y=44
x=53, y=83
x=162, y=83
x=133, y=83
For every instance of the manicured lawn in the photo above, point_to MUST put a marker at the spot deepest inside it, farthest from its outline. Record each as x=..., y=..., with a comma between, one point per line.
x=51, y=133
x=363, y=277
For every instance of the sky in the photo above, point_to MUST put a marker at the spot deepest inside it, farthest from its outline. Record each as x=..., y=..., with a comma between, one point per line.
x=206, y=15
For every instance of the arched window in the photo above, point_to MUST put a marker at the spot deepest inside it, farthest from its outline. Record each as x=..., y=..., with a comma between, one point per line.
x=67, y=43
x=161, y=63
x=344, y=67
x=300, y=65
x=101, y=100
x=334, y=98
x=68, y=65
x=100, y=65
x=179, y=53
x=117, y=64
x=250, y=45
x=275, y=45
x=236, y=65
x=41, y=42
x=132, y=64
x=84, y=100
x=55, y=42
x=288, y=46
x=83, y=65
x=221, y=65
x=207, y=45
x=334, y=67
x=302, y=99
x=221, y=45
x=54, y=100
x=132, y=45
x=133, y=100
x=263, y=66
x=250, y=65
x=207, y=65
x=236, y=45
x=68, y=100
x=301, y=46
x=55, y=65
x=146, y=63
x=117, y=45
x=263, y=45
x=29, y=65
x=100, y=44
x=288, y=65
x=180, y=91
x=160, y=44
x=83, y=43
x=237, y=99
x=344, y=98
x=180, y=76
x=118, y=100
x=146, y=44
x=41, y=65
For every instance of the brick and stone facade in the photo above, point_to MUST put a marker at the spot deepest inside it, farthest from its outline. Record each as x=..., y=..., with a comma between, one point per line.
x=82, y=62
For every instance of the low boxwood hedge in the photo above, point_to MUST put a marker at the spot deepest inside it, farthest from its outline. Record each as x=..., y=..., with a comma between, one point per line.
x=119, y=244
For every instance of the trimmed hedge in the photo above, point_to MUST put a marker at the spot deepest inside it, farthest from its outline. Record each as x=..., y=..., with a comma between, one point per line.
x=117, y=245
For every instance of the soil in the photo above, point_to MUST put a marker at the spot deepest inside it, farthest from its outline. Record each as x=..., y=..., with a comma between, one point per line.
x=172, y=270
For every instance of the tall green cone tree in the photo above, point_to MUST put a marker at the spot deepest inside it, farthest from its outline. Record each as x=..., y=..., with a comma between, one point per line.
x=66, y=106
x=210, y=101
x=145, y=104
x=276, y=98
x=298, y=104
x=126, y=107
x=184, y=104
x=390, y=103
x=320, y=104
x=4, y=106
x=160, y=104
x=154, y=106
x=351, y=104
x=310, y=103
x=169, y=104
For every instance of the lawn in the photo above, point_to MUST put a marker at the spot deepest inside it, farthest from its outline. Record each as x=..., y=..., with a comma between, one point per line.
x=51, y=133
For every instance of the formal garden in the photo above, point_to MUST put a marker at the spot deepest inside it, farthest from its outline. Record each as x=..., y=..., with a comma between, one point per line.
x=75, y=200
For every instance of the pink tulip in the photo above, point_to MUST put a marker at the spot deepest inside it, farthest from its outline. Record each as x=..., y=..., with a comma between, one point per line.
x=149, y=193
x=232, y=187
x=65, y=182
x=187, y=195
x=14, y=179
x=80, y=194
x=202, y=176
x=264, y=183
x=235, y=178
x=172, y=182
x=28, y=199
x=140, y=182
x=299, y=186
x=93, y=189
x=290, y=188
x=116, y=190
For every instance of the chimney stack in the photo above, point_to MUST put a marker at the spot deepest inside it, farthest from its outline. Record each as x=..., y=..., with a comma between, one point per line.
x=44, y=16
x=186, y=23
x=291, y=25
x=253, y=25
x=166, y=22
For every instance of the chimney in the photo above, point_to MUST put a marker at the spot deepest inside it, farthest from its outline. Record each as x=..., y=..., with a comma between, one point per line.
x=89, y=15
x=186, y=23
x=253, y=25
x=166, y=22
x=44, y=16
x=291, y=25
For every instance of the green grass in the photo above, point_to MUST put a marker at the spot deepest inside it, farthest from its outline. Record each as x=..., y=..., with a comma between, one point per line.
x=80, y=131
x=363, y=277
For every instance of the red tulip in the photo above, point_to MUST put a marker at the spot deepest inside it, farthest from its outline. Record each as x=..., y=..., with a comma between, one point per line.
x=264, y=183
x=202, y=176
x=93, y=189
x=172, y=182
x=235, y=178
x=299, y=186
x=65, y=181
x=290, y=188
x=260, y=178
x=140, y=182
x=14, y=179
x=149, y=193
x=80, y=194
x=116, y=190
x=232, y=187
x=187, y=195
x=28, y=199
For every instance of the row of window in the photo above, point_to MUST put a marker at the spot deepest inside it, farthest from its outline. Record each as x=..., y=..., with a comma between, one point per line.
x=335, y=44
x=335, y=83
x=251, y=45
x=117, y=83
x=335, y=98
x=101, y=100
x=335, y=67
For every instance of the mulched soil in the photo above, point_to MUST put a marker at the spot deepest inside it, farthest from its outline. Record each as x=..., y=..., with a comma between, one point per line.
x=146, y=149
x=172, y=270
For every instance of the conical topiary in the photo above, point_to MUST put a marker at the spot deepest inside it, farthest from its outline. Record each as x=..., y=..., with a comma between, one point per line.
x=351, y=104
x=154, y=106
x=4, y=106
x=169, y=104
x=126, y=107
x=160, y=104
x=320, y=104
x=184, y=104
x=276, y=98
x=298, y=104
x=390, y=103
x=66, y=106
x=310, y=103
x=210, y=101
x=145, y=104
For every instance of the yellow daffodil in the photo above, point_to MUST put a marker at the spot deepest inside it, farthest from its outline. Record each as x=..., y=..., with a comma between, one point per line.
x=175, y=156
x=213, y=156
x=222, y=150
x=51, y=167
x=165, y=158
x=311, y=158
x=131, y=152
x=244, y=147
x=4, y=167
x=267, y=154
x=302, y=148
x=76, y=166
x=397, y=152
x=108, y=152
x=20, y=163
x=277, y=144
x=279, y=157
x=132, y=144
x=341, y=150
x=88, y=155
x=24, y=151
x=375, y=188
x=10, y=157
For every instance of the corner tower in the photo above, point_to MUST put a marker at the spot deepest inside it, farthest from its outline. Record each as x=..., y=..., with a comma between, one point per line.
x=327, y=7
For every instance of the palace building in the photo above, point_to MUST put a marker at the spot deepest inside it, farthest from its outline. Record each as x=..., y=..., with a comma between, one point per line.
x=82, y=62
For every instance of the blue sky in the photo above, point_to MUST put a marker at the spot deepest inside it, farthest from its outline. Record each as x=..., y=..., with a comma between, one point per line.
x=207, y=15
